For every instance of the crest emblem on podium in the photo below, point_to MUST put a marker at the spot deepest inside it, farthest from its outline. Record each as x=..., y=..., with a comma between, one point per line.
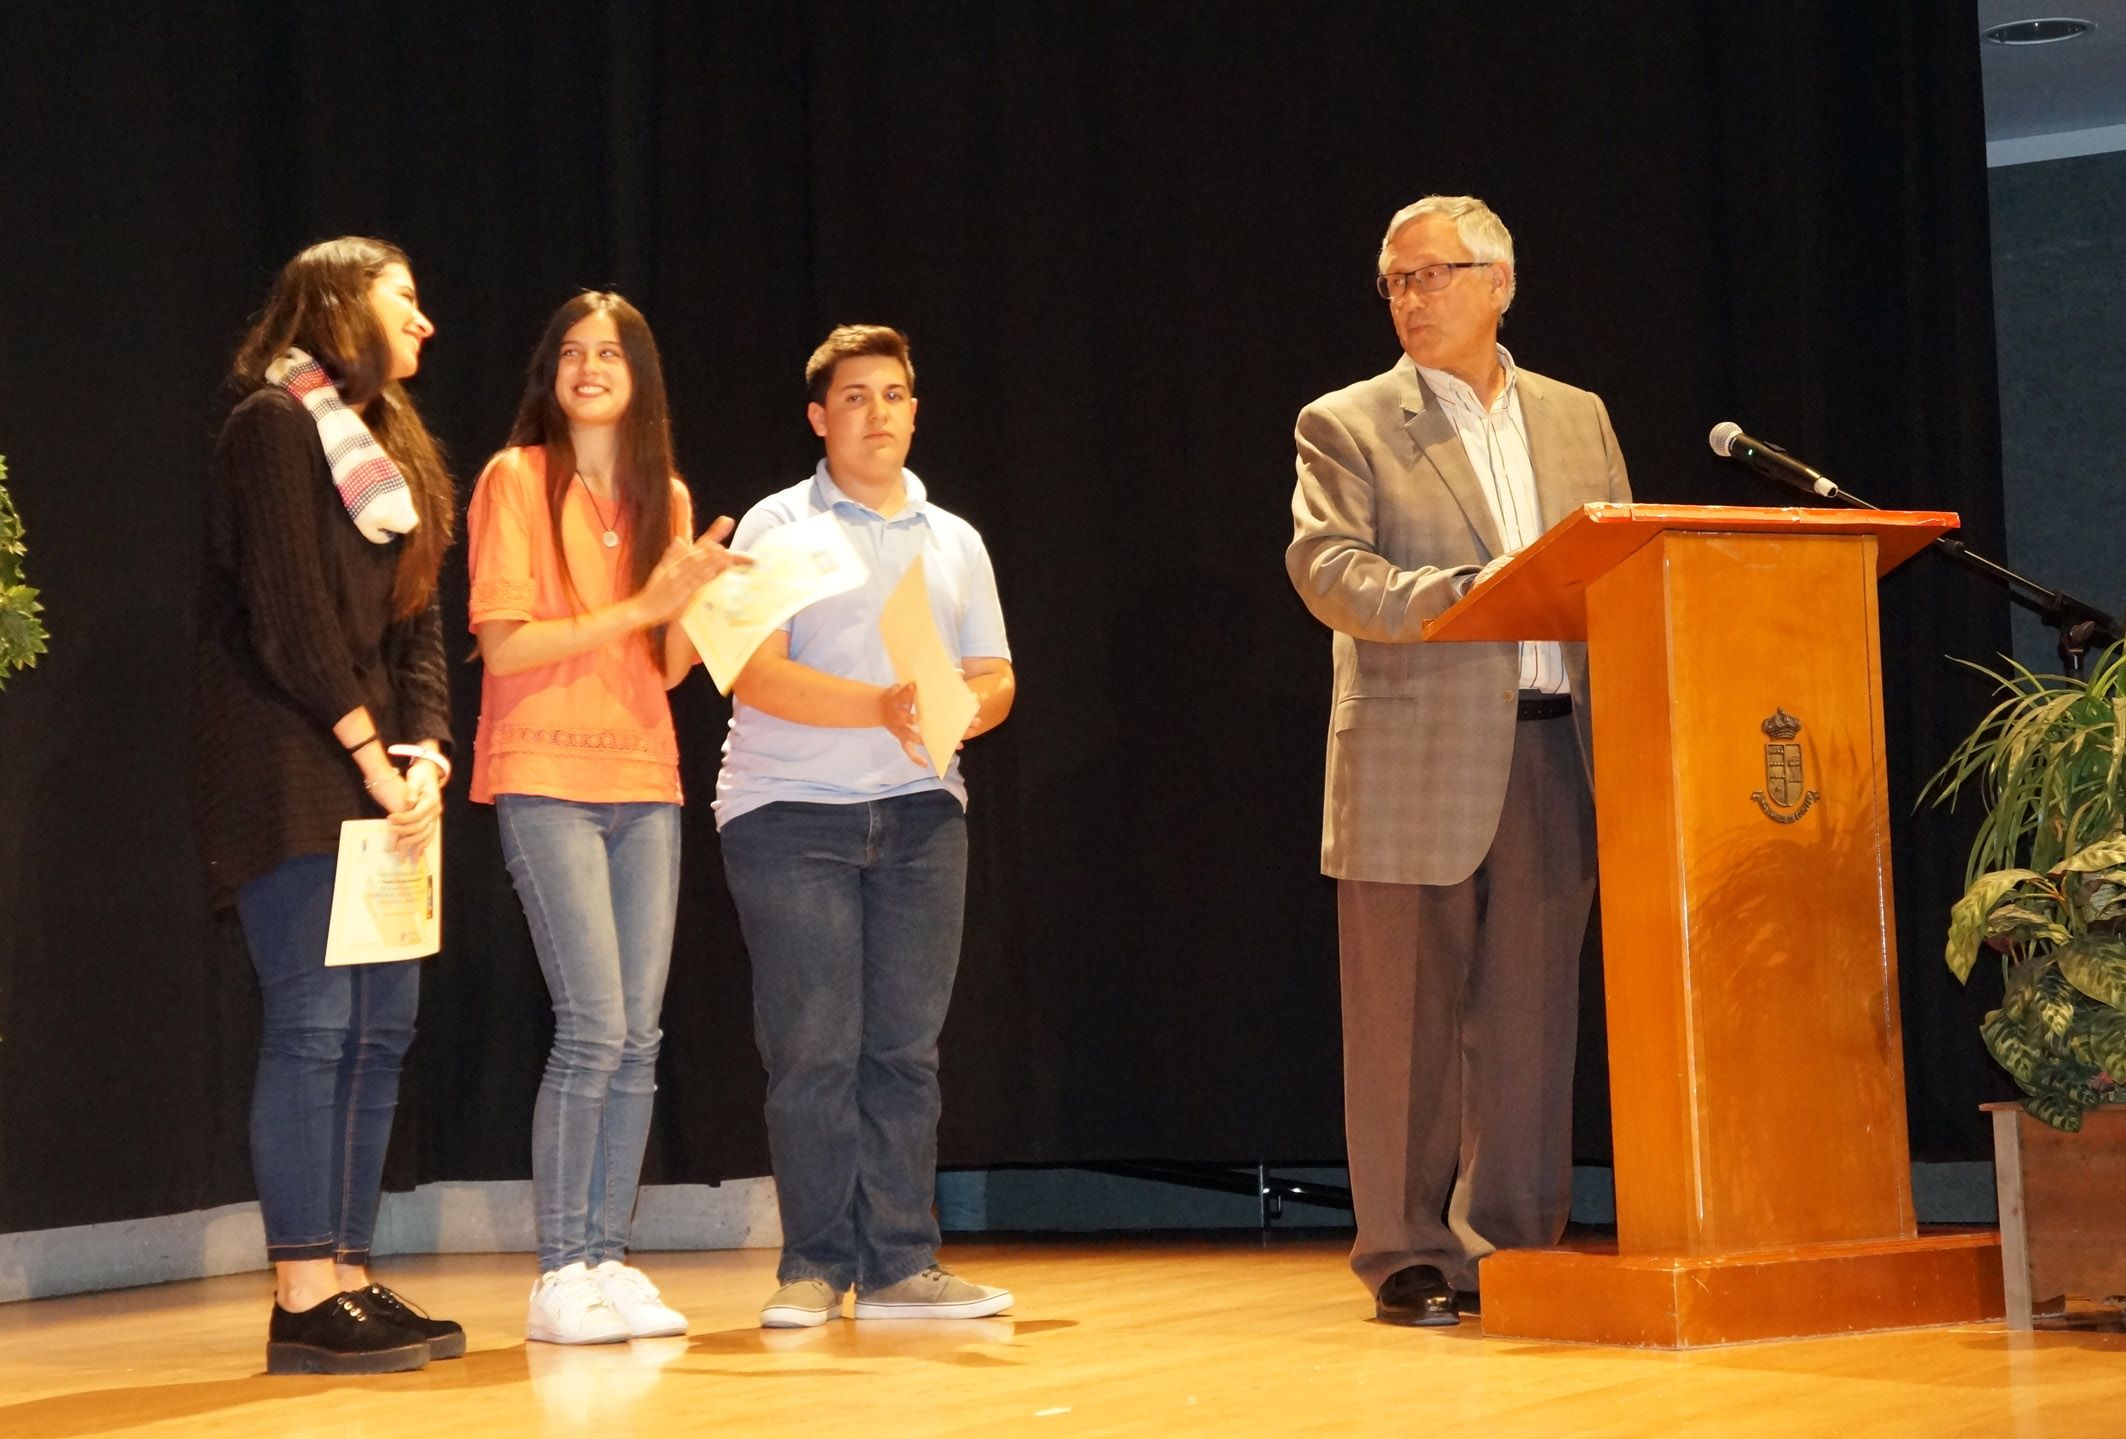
x=1786, y=796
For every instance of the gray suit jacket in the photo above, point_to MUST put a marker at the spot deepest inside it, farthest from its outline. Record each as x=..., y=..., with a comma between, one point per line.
x=1388, y=524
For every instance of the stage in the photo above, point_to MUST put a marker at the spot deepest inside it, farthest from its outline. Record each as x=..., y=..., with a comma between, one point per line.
x=1110, y=1337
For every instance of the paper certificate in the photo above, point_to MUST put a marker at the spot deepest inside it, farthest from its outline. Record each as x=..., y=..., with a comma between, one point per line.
x=385, y=905
x=944, y=704
x=794, y=565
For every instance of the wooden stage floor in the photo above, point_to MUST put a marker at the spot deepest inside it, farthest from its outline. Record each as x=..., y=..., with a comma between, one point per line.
x=1152, y=1336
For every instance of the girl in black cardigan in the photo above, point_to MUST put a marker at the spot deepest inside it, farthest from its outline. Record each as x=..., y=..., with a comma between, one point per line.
x=320, y=645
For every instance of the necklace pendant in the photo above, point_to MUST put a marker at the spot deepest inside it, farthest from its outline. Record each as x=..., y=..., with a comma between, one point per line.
x=612, y=541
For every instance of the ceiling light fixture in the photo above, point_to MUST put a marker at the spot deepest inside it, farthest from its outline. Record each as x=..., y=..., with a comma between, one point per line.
x=2048, y=31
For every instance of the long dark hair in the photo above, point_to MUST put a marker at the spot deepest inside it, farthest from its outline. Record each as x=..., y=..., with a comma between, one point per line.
x=320, y=304
x=642, y=470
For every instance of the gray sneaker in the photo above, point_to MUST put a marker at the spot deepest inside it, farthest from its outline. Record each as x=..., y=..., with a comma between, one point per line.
x=932, y=1294
x=801, y=1304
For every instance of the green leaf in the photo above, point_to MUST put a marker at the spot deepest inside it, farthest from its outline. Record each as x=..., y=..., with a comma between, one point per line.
x=2025, y=925
x=2105, y=901
x=2052, y=1007
x=1967, y=918
x=2056, y=1110
x=2118, y=748
x=2104, y=854
x=2011, y=1048
x=2020, y=990
x=22, y=635
x=2019, y=913
x=2106, y=1031
x=2097, y=970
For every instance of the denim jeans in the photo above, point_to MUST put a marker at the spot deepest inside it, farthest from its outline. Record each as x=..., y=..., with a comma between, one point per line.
x=852, y=916
x=600, y=888
x=330, y=1045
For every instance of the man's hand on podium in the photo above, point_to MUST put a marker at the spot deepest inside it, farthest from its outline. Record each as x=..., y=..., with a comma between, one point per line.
x=1488, y=571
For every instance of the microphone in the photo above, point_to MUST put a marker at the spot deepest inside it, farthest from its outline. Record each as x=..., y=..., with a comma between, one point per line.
x=1730, y=443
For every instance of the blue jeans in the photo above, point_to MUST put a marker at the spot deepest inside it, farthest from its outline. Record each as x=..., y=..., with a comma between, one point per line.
x=600, y=888
x=852, y=915
x=329, y=1049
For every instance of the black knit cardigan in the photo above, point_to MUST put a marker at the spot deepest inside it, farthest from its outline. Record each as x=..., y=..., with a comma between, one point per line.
x=295, y=630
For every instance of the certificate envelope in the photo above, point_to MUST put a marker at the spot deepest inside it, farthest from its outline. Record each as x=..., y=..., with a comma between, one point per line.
x=794, y=565
x=944, y=704
x=385, y=905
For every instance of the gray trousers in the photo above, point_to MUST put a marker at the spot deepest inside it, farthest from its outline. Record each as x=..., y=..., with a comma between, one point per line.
x=1460, y=1017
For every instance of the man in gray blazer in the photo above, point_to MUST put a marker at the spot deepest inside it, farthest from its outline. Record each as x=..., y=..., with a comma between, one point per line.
x=1458, y=820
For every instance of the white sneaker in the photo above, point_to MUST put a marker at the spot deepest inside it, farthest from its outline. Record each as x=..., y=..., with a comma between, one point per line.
x=566, y=1308
x=932, y=1294
x=801, y=1304
x=637, y=1302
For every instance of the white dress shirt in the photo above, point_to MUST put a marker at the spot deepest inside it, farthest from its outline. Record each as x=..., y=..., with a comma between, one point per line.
x=1496, y=441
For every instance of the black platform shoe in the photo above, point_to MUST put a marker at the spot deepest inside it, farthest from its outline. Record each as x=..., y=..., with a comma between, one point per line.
x=446, y=1340
x=346, y=1334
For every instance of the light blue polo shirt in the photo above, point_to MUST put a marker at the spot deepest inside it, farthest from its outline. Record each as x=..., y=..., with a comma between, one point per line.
x=767, y=759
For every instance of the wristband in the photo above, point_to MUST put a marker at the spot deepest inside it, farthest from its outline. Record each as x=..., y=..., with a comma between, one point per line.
x=430, y=753
x=360, y=745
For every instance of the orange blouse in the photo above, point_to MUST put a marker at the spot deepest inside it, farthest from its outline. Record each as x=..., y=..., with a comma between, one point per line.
x=595, y=727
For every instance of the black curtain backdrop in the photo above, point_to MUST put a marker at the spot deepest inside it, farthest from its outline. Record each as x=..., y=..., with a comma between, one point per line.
x=1129, y=242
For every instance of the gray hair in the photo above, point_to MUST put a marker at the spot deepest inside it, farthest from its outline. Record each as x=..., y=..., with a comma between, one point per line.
x=1483, y=232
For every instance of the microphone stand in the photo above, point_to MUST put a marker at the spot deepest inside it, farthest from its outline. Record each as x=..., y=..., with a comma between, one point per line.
x=2080, y=625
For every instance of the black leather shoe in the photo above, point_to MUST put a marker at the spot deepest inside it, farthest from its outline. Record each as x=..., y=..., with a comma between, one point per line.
x=1419, y=1295
x=1466, y=1301
x=445, y=1339
x=344, y=1335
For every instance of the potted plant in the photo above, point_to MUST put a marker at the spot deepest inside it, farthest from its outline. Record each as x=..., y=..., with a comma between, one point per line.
x=2046, y=883
x=2046, y=890
x=22, y=634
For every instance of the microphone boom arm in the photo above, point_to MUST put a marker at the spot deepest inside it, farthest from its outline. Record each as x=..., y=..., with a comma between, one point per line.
x=2080, y=625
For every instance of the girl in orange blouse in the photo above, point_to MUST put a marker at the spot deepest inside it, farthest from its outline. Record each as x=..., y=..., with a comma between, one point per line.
x=581, y=565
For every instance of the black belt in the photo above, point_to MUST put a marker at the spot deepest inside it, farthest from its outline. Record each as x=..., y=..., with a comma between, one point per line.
x=1537, y=706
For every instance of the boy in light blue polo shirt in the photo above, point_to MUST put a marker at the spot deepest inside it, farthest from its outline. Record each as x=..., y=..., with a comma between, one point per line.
x=846, y=856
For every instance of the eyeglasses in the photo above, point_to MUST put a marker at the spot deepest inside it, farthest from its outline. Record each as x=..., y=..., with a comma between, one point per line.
x=1397, y=283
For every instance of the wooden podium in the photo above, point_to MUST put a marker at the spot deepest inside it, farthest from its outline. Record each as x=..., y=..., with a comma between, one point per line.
x=1755, y=1062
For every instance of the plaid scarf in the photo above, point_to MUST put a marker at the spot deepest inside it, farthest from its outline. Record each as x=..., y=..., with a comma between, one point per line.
x=369, y=484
